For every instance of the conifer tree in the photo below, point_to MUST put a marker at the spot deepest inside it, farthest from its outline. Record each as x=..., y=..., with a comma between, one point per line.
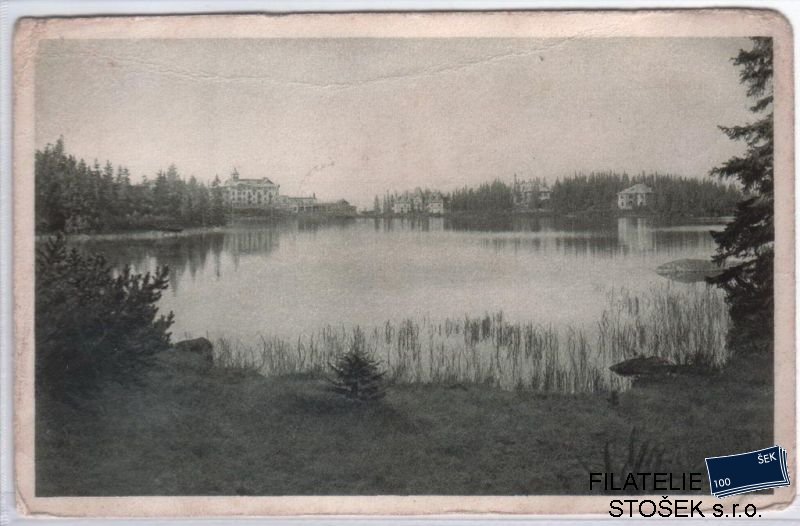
x=93, y=324
x=747, y=243
x=357, y=374
x=217, y=202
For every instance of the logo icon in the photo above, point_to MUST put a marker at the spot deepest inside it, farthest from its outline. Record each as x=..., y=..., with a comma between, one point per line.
x=746, y=472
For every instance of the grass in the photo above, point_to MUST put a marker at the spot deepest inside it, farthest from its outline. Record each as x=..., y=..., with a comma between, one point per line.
x=686, y=325
x=223, y=432
x=637, y=456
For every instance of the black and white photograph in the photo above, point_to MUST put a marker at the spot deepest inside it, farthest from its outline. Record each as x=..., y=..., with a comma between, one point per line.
x=391, y=255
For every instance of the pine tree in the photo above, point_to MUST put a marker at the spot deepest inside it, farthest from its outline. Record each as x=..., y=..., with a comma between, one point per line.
x=49, y=177
x=93, y=323
x=357, y=374
x=747, y=243
x=217, y=202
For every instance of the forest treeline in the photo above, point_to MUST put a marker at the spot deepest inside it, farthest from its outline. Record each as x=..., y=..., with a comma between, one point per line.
x=672, y=195
x=487, y=197
x=494, y=196
x=594, y=192
x=73, y=196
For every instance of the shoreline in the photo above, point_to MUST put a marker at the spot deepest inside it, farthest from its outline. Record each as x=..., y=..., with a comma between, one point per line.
x=273, y=220
x=135, y=234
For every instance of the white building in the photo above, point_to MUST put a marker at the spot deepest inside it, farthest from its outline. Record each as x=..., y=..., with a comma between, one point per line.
x=296, y=204
x=544, y=192
x=637, y=196
x=436, y=206
x=401, y=206
x=250, y=193
x=530, y=193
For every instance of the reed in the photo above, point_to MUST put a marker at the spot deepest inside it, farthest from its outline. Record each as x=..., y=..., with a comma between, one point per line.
x=686, y=325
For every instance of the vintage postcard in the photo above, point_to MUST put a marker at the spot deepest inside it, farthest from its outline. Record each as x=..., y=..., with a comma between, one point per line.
x=406, y=263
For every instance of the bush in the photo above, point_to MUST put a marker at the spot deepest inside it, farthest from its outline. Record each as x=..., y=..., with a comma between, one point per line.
x=357, y=374
x=639, y=455
x=93, y=324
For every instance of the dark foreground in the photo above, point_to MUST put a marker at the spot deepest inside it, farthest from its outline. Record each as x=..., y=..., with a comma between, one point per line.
x=186, y=431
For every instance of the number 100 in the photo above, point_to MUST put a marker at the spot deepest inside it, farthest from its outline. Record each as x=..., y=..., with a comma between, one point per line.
x=721, y=483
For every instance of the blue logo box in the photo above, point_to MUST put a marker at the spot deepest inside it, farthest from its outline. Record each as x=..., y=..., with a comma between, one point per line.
x=745, y=472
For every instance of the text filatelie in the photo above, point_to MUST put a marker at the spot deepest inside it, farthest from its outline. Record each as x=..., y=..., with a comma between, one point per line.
x=646, y=481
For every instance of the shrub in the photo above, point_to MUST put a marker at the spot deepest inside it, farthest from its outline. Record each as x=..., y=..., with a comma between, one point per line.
x=93, y=324
x=357, y=374
x=639, y=455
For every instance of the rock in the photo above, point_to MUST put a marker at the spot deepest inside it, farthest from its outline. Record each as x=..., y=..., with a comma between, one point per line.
x=200, y=347
x=182, y=361
x=643, y=366
x=689, y=270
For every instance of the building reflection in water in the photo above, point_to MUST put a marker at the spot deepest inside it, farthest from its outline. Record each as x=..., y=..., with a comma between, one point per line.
x=238, y=243
x=608, y=238
x=195, y=253
x=636, y=234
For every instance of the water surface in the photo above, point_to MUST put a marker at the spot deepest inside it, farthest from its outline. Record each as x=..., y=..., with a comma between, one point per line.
x=294, y=278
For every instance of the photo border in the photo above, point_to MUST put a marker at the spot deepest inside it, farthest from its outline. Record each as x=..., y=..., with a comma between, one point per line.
x=553, y=24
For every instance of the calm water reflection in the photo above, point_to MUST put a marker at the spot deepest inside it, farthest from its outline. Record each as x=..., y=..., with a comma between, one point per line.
x=293, y=278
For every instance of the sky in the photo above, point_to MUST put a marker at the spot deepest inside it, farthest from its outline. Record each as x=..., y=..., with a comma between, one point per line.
x=352, y=118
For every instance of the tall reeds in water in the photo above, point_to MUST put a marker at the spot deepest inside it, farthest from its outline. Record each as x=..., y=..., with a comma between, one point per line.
x=686, y=325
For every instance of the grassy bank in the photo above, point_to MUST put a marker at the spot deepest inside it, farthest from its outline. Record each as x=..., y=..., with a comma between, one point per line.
x=189, y=432
x=473, y=406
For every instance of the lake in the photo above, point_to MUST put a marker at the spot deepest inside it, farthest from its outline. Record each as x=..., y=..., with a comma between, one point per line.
x=294, y=278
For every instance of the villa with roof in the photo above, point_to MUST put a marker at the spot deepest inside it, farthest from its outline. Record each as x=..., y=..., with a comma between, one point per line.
x=637, y=196
x=250, y=194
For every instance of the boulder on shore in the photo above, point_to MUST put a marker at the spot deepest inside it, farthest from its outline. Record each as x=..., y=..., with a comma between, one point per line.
x=689, y=270
x=200, y=347
x=643, y=366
